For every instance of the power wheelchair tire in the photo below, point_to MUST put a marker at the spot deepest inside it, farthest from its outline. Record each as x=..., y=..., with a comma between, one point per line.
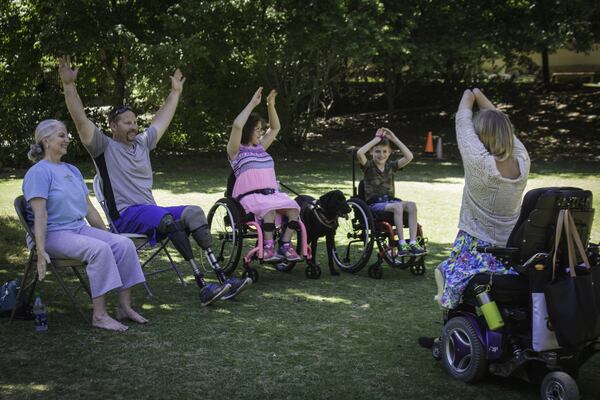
x=225, y=225
x=353, y=242
x=463, y=354
x=558, y=385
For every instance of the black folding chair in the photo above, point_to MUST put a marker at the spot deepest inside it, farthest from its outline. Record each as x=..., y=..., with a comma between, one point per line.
x=141, y=241
x=55, y=265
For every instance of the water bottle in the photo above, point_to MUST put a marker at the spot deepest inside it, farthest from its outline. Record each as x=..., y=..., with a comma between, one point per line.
x=39, y=313
x=489, y=309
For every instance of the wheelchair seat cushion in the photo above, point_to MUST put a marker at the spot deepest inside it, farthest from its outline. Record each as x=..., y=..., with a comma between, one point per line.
x=505, y=289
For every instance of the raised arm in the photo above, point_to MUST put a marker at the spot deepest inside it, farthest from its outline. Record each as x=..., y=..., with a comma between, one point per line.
x=407, y=155
x=165, y=114
x=85, y=127
x=361, y=153
x=40, y=221
x=482, y=102
x=235, y=138
x=471, y=149
x=93, y=217
x=466, y=102
x=274, y=125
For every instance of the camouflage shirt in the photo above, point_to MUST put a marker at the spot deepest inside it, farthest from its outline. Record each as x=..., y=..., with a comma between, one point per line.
x=378, y=183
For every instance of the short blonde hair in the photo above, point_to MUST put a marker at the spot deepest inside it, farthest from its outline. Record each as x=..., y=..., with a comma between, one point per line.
x=44, y=129
x=496, y=132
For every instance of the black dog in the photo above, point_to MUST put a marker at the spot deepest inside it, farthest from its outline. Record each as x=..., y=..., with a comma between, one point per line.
x=320, y=217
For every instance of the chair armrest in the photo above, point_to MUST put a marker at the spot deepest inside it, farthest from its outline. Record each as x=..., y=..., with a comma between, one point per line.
x=134, y=236
x=498, y=251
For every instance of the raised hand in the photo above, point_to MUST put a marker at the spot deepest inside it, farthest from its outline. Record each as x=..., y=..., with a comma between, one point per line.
x=67, y=74
x=257, y=97
x=41, y=265
x=388, y=134
x=380, y=134
x=271, y=97
x=177, y=81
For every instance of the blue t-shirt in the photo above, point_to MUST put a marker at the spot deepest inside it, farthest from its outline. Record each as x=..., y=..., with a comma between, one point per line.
x=65, y=192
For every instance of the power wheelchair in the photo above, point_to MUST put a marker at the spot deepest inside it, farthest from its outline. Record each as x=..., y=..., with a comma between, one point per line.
x=469, y=349
x=230, y=226
x=358, y=234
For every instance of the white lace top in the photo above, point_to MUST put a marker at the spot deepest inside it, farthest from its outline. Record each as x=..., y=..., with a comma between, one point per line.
x=491, y=203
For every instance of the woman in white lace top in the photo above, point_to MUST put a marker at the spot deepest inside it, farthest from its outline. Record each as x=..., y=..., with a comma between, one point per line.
x=496, y=168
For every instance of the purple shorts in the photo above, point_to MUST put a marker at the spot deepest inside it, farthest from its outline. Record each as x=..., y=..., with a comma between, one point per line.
x=380, y=206
x=145, y=218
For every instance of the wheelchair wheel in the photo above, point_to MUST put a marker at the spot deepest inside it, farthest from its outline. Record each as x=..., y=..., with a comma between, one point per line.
x=463, y=354
x=375, y=271
x=225, y=226
x=418, y=268
x=353, y=242
x=312, y=271
x=251, y=273
x=558, y=385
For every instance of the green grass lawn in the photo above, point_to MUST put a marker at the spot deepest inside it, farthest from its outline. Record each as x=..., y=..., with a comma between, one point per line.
x=346, y=337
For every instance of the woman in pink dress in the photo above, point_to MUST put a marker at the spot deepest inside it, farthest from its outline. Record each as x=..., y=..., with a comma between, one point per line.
x=255, y=185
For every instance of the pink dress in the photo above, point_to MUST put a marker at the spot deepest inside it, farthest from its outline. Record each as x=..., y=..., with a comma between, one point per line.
x=254, y=169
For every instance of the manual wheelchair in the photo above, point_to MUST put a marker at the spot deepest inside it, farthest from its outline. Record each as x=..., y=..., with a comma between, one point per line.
x=357, y=235
x=230, y=226
x=469, y=349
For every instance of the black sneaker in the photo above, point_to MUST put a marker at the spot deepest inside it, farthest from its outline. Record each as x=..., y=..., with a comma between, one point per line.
x=212, y=292
x=237, y=285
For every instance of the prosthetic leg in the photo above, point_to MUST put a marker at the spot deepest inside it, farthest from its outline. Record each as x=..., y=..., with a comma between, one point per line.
x=195, y=221
x=181, y=242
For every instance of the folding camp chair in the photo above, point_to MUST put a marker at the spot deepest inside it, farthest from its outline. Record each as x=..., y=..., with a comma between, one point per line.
x=141, y=241
x=55, y=265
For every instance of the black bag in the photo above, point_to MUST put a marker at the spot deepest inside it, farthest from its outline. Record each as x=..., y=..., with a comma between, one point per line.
x=8, y=301
x=8, y=296
x=572, y=300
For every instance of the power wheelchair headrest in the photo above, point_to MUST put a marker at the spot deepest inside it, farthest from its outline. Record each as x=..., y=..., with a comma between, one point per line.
x=534, y=230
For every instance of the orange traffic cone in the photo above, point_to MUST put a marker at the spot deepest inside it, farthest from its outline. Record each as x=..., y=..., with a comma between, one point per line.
x=429, y=144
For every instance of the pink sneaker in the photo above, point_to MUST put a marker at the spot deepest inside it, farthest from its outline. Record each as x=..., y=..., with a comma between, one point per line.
x=269, y=254
x=288, y=253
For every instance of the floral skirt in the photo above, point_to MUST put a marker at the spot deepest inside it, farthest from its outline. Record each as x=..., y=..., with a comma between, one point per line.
x=464, y=262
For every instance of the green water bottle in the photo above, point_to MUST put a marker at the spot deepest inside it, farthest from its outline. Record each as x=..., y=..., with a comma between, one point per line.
x=489, y=309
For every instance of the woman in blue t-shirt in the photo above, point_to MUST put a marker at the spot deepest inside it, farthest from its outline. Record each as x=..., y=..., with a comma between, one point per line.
x=58, y=207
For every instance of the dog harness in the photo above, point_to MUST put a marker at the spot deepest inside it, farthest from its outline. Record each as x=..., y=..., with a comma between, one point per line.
x=314, y=206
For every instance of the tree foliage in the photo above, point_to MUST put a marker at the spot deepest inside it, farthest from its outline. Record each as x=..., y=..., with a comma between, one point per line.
x=307, y=50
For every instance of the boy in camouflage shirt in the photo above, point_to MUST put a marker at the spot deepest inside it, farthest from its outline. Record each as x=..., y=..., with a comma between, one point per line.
x=379, y=186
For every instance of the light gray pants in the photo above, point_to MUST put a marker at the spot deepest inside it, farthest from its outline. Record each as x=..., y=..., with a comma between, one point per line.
x=112, y=260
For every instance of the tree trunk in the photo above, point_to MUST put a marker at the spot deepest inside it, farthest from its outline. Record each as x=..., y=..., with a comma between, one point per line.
x=545, y=67
x=391, y=88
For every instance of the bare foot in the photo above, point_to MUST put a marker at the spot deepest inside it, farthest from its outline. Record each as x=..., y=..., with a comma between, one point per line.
x=106, y=322
x=131, y=314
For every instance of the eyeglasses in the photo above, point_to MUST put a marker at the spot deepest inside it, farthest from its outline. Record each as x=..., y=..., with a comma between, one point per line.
x=115, y=112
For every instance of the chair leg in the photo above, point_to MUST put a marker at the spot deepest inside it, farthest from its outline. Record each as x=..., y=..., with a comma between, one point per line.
x=21, y=291
x=68, y=293
x=147, y=289
x=83, y=282
x=174, y=267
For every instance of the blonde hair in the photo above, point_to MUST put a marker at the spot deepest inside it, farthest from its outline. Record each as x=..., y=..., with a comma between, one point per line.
x=43, y=130
x=496, y=132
